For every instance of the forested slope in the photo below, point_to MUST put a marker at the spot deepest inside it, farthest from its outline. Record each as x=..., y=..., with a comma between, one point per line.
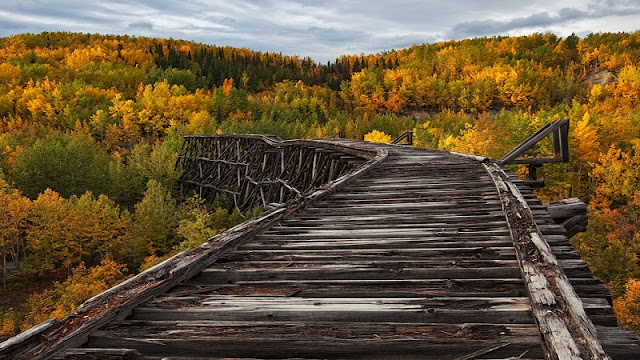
x=90, y=125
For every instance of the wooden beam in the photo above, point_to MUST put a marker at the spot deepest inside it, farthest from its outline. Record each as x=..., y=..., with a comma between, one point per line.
x=567, y=332
x=559, y=130
x=52, y=336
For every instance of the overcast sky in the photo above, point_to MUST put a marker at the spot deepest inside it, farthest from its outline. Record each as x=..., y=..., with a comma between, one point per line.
x=321, y=29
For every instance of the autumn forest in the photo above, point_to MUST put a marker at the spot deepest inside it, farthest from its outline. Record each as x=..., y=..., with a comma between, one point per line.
x=91, y=125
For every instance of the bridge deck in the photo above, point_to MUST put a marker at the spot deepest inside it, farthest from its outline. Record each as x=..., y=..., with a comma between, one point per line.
x=413, y=260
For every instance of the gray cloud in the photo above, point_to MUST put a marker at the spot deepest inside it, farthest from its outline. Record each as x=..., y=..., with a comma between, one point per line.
x=140, y=25
x=542, y=19
x=492, y=27
x=322, y=30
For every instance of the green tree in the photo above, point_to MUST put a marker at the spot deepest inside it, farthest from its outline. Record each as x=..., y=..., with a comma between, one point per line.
x=51, y=238
x=68, y=164
x=14, y=215
x=155, y=220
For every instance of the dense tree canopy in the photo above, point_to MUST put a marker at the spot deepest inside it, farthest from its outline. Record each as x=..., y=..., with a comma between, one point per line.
x=90, y=128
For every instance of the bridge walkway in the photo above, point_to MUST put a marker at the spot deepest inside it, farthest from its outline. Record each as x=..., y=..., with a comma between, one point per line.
x=414, y=260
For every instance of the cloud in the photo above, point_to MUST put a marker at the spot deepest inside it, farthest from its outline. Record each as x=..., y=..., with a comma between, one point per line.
x=141, y=25
x=322, y=30
x=540, y=20
x=493, y=27
x=337, y=36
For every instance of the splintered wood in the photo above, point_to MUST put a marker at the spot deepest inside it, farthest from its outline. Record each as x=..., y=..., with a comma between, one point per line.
x=414, y=255
x=566, y=330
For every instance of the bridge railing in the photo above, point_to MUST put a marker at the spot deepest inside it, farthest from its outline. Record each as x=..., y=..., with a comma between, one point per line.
x=407, y=135
x=559, y=130
x=258, y=170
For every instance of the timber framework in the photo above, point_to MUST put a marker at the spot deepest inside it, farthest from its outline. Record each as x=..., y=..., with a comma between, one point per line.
x=366, y=251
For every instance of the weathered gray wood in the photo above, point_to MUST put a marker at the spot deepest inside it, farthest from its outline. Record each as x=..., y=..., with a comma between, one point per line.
x=415, y=260
x=25, y=337
x=560, y=148
x=566, y=208
x=367, y=348
x=570, y=213
x=566, y=330
x=575, y=224
x=586, y=288
x=100, y=354
x=224, y=276
x=512, y=314
x=119, y=300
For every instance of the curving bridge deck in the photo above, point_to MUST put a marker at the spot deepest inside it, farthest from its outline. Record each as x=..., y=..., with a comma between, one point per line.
x=406, y=254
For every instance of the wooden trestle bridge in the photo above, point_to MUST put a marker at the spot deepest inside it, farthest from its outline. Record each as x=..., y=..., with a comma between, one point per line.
x=366, y=251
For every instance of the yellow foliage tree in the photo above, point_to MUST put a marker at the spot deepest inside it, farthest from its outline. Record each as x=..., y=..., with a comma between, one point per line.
x=85, y=283
x=377, y=137
x=617, y=177
x=51, y=238
x=627, y=307
x=39, y=308
x=14, y=214
x=585, y=140
x=7, y=328
x=478, y=139
x=67, y=296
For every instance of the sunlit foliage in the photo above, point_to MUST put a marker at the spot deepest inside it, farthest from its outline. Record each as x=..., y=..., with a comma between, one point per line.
x=90, y=129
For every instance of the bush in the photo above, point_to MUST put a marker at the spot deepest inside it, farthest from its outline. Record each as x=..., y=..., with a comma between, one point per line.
x=67, y=164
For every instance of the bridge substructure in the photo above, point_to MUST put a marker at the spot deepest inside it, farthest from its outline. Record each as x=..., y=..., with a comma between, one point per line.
x=403, y=254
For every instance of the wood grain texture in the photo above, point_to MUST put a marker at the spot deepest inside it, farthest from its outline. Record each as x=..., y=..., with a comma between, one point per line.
x=413, y=258
x=566, y=330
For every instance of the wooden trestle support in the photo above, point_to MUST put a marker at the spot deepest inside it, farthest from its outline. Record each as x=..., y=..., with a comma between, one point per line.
x=377, y=252
x=257, y=170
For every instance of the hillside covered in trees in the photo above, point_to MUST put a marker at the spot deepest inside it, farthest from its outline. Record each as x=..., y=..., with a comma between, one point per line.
x=90, y=128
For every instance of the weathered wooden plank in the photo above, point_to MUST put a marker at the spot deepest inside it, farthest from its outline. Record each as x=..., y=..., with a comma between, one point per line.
x=415, y=261
x=212, y=275
x=508, y=313
x=408, y=206
x=409, y=348
x=332, y=262
x=586, y=288
x=177, y=329
x=100, y=354
x=442, y=186
x=389, y=233
x=301, y=225
x=119, y=300
x=420, y=218
x=446, y=249
x=454, y=211
x=442, y=253
x=410, y=201
x=566, y=330
x=369, y=288
x=565, y=208
x=573, y=268
x=373, y=197
x=219, y=334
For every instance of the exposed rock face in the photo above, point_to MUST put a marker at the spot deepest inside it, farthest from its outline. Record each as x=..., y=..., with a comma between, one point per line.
x=600, y=76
